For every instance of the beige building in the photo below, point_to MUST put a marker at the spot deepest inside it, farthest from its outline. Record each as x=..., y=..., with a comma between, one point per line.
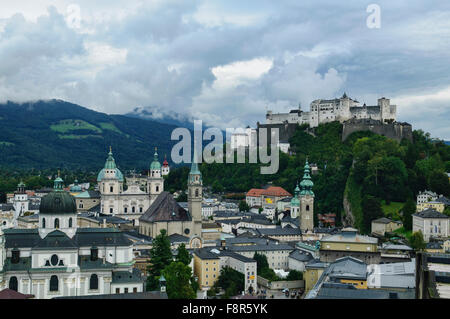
x=87, y=200
x=313, y=271
x=382, y=225
x=437, y=206
x=349, y=243
x=206, y=268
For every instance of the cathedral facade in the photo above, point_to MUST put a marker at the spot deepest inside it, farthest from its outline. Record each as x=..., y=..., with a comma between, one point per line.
x=130, y=203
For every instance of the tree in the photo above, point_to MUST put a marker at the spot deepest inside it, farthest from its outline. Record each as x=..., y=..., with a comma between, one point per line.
x=183, y=255
x=408, y=209
x=294, y=275
x=178, y=277
x=371, y=207
x=161, y=257
x=230, y=280
x=417, y=242
x=261, y=262
x=243, y=206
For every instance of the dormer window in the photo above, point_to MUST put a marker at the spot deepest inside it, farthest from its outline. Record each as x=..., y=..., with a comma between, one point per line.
x=56, y=223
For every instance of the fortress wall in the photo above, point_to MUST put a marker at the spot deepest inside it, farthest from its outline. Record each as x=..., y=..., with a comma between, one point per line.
x=396, y=131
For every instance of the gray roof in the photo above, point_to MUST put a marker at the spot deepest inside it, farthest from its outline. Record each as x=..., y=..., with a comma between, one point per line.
x=84, y=237
x=382, y=220
x=6, y=207
x=278, y=231
x=108, y=218
x=177, y=238
x=259, y=247
x=165, y=208
x=443, y=199
x=236, y=256
x=430, y=213
x=300, y=256
x=120, y=277
x=347, y=291
x=349, y=268
x=205, y=253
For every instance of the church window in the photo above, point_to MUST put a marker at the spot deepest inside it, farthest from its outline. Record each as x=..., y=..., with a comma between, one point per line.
x=111, y=210
x=43, y=222
x=133, y=209
x=157, y=188
x=93, y=282
x=140, y=209
x=111, y=189
x=70, y=222
x=57, y=223
x=54, y=260
x=13, y=284
x=94, y=254
x=196, y=192
x=307, y=207
x=54, y=283
x=187, y=231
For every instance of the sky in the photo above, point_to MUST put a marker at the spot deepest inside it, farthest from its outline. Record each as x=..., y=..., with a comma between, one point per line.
x=227, y=62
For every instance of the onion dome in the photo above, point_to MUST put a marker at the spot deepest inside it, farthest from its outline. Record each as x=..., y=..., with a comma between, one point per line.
x=155, y=165
x=295, y=201
x=306, y=184
x=110, y=165
x=76, y=187
x=58, y=201
x=165, y=163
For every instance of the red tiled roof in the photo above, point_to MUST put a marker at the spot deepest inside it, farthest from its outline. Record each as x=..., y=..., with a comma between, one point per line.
x=12, y=294
x=270, y=191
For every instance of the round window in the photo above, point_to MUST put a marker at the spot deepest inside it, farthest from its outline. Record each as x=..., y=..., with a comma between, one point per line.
x=54, y=260
x=187, y=231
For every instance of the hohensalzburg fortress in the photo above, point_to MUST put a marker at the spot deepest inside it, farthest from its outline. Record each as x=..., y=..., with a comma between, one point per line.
x=339, y=109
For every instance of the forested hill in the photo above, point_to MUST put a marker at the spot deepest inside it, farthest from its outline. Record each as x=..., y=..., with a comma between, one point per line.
x=365, y=167
x=58, y=134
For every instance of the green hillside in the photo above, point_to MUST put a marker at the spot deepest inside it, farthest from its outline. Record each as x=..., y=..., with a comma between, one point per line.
x=57, y=134
x=376, y=174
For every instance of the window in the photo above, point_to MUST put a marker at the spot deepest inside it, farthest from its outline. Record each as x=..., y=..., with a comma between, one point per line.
x=117, y=290
x=54, y=283
x=13, y=284
x=93, y=282
x=111, y=210
x=111, y=189
x=157, y=188
x=43, y=222
x=56, y=223
x=126, y=290
x=54, y=260
x=307, y=207
x=126, y=210
x=70, y=222
x=140, y=209
x=196, y=192
x=94, y=254
x=15, y=256
x=133, y=209
x=134, y=289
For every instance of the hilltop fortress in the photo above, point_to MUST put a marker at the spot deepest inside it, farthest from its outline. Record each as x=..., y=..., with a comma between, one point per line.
x=339, y=109
x=380, y=119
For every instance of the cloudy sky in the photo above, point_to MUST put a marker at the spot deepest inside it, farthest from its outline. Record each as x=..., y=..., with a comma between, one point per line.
x=226, y=62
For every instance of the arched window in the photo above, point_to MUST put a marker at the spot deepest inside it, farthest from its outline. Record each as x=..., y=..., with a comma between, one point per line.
x=54, y=283
x=13, y=284
x=157, y=188
x=307, y=207
x=125, y=210
x=43, y=222
x=196, y=192
x=111, y=189
x=70, y=222
x=56, y=223
x=133, y=209
x=93, y=282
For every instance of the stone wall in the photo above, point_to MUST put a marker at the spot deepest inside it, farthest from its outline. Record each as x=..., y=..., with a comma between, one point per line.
x=395, y=130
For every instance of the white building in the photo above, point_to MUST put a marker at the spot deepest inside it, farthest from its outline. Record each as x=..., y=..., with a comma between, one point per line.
x=426, y=196
x=243, y=138
x=338, y=109
x=431, y=223
x=59, y=259
x=131, y=203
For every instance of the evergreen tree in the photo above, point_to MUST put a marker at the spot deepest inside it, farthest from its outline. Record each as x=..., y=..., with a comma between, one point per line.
x=183, y=255
x=243, y=206
x=178, y=278
x=371, y=207
x=408, y=209
x=161, y=257
x=416, y=241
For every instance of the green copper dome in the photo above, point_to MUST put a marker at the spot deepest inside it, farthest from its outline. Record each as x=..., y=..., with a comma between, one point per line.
x=295, y=201
x=306, y=184
x=110, y=165
x=155, y=165
x=58, y=201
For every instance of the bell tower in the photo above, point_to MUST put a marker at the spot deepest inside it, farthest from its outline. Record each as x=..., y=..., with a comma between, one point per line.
x=195, y=196
x=306, y=216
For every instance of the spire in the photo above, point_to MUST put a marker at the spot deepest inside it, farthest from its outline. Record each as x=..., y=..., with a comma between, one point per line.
x=194, y=165
x=155, y=156
x=110, y=162
x=306, y=184
x=155, y=165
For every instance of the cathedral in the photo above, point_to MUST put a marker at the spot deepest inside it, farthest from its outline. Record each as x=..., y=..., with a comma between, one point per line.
x=130, y=203
x=166, y=213
x=60, y=259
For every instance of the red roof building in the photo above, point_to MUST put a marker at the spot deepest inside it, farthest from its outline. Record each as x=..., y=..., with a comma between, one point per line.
x=270, y=195
x=12, y=294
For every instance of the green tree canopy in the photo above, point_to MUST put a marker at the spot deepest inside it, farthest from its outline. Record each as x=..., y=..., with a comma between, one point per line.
x=178, y=277
x=183, y=255
x=161, y=257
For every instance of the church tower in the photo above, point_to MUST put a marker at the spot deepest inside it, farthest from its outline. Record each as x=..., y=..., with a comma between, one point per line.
x=20, y=200
x=155, y=181
x=306, y=216
x=295, y=203
x=195, y=196
x=110, y=181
